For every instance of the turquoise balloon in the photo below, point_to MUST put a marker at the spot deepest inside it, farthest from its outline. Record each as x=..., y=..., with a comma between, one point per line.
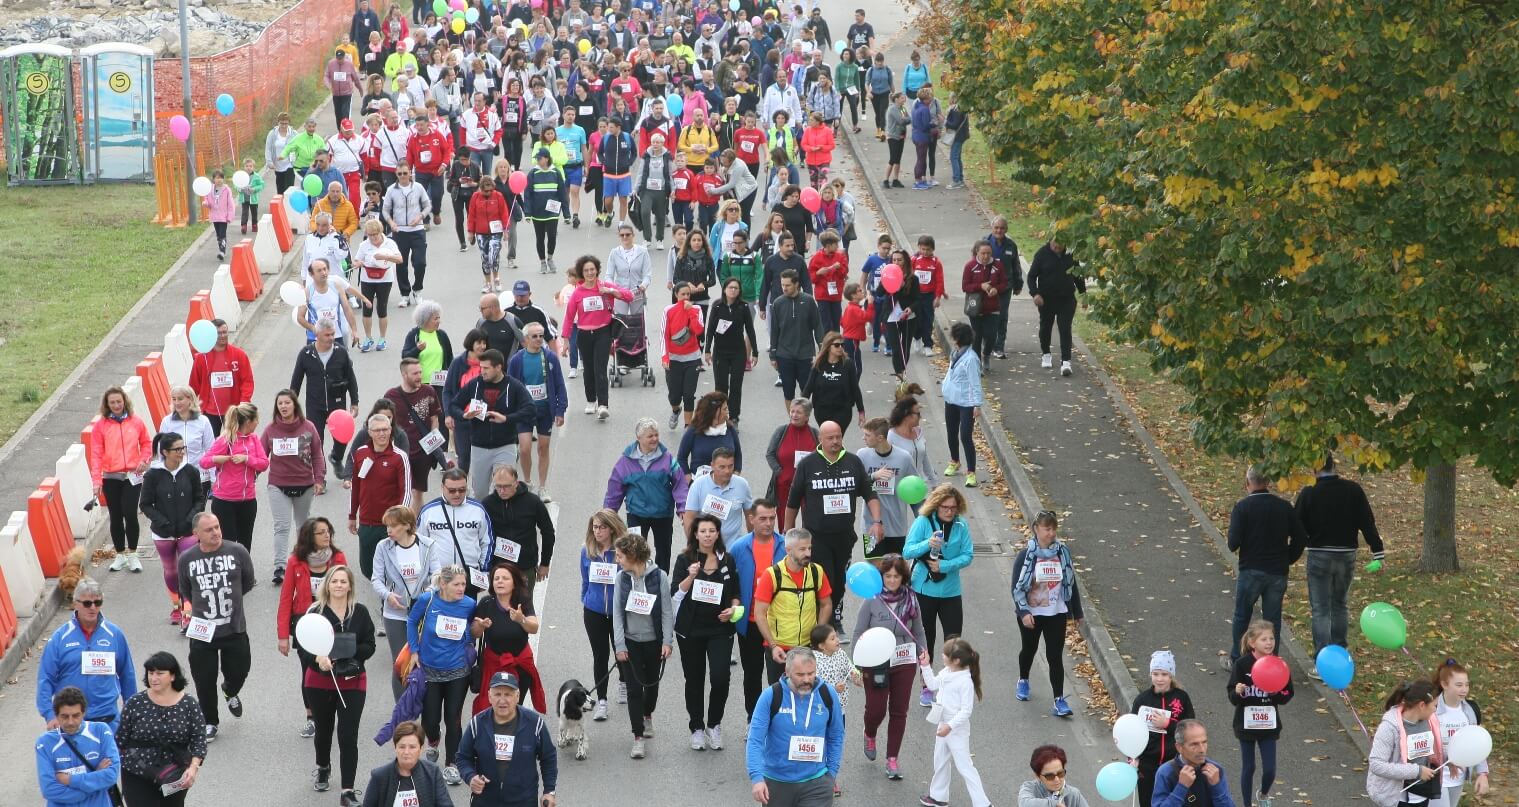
x=203, y=336
x=471, y=15
x=225, y=104
x=299, y=201
x=864, y=579
x=674, y=104
x=912, y=489
x=1116, y=781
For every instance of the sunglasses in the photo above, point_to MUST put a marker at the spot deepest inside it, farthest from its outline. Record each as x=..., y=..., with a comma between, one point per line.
x=91, y=603
x=1050, y=777
x=453, y=490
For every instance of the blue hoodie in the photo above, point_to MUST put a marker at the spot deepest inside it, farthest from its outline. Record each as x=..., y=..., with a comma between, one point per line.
x=1171, y=793
x=63, y=664
x=955, y=555
x=557, y=398
x=434, y=651
x=962, y=384
x=742, y=551
x=597, y=597
x=768, y=749
x=88, y=785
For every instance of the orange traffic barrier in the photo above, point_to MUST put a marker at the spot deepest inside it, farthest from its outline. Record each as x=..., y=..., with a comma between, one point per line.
x=200, y=308
x=281, y=222
x=245, y=275
x=170, y=180
x=9, y=624
x=49, y=525
x=85, y=436
x=155, y=386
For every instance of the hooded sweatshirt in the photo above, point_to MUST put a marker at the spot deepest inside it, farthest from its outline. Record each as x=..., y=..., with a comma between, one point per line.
x=1398, y=750
x=236, y=482
x=295, y=454
x=815, y=715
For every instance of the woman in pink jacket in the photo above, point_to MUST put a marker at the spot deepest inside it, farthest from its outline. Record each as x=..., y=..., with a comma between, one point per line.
x=239, y=457
x=119, y=454
x=589, y=317
x=223, y=204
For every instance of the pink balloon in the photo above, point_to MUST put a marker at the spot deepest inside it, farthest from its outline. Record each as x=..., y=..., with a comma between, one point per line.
x=811, y=199
x=756, y=22
x=891, y=278
x=340, y=425
x=1270, y=674
x=456, y=5
x=179, y=127
x=517, y=182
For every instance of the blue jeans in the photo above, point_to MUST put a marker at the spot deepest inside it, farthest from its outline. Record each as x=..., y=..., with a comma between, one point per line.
x=483, y=160
x=1253, y=585
x=1329, y=578
x=956, y=166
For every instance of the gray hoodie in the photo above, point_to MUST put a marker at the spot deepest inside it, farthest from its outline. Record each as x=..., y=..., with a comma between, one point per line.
x=633, y=273
x=1387, y=772
x=387, y=574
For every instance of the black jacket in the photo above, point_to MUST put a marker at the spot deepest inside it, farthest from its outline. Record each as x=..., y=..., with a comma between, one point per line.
x=694, y=268
x=730, y=343
x=1240, y=673
x=833, y=387
x=1333, y=510
x=770, y=281
x=1266, y=533
x=698, y=620
x=1049, y=275
x=328, y=388
x=514, y=401
x=426, y=777
x=170, y=500
x=1178, y=705
x=524, y=519
x=360, y=624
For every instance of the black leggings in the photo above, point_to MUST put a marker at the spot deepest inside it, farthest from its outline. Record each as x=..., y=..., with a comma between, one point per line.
x=595, y=348
x=894, y=150
x=960, y=422
x=728, y=378
x=121, y=505
x=546, y=235
x=379, y=295
x=511, y=149
x=843, y=416
x=141, y=792
x=593, y=181
x=233, y=657
x=854, y=108
x=237, y=519
x=680, y=381
x=1053, y=311
x=641, y=672
x=1052, y=628
x=598, y=629
x=699, y=658
x=949, y=611
x=879, y=102
x=899, y=341
x=445, y=700
x=327, y=711
x=663, y=529
x=461, y=206
x=985, y=329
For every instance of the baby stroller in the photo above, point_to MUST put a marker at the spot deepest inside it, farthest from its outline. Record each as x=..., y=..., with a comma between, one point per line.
x=630, y=349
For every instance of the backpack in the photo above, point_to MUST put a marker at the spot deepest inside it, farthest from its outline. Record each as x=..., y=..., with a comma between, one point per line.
x=775, y=699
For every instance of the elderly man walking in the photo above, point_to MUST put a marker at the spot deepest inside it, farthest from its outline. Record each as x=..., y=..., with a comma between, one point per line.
x=1269, y=538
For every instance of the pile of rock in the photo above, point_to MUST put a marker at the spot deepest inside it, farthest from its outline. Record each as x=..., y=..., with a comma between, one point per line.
x=153, y=23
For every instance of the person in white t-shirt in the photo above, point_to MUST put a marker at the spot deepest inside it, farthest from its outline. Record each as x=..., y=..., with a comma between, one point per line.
x=327, y=299
x=375, y=259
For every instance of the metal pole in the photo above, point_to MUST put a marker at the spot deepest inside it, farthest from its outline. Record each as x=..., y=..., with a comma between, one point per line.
x=189, y=111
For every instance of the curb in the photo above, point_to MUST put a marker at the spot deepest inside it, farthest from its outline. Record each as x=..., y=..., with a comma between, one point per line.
x=1094, y=628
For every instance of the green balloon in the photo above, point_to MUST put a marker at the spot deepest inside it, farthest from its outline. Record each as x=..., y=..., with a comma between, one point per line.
x=439, y=7
x=458, y=15
x=912, y=489
x=1383, y=625
x=312, y=185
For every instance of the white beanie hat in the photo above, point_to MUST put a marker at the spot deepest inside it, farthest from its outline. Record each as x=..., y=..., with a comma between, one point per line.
x=1163, y=660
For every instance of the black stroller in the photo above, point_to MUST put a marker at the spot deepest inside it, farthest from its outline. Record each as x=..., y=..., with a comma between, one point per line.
x=630, y=347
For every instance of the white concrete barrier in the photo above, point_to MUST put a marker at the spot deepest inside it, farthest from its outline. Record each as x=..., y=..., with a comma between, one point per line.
x=177, y=356
x=73, y=473
x=300, y=222
x=18, y=561
x=224, y=298
x=139, y=399
x=266, y=246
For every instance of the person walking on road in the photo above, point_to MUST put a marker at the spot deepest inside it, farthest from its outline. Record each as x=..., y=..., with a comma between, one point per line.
x=823, y=498
x=420, y=411
x=705, y=592
x=508, y=621
x=1194, y=778
x=682, y=358
x=1268, y=537
x=1456, y=711
x=497, y=407
x=1049, y=788
x=731, y=345
x=940, y=544
x=983, y=281
x=1054, y=280
x=720, y=493
x=796, y=739
x=334, y=684
x=504, y=750
x=1005, y=252
x=789, y=444
x=521, y=526
x=1333, y=511
x=652, y=485
x=238, y=457
x=409, y=208
x=313, y=556
x=325, y=369
x=172, y=494
x=888, y=689
x=405, y=566
x=538, y=369
x=786, y=622
x=833, y=384
x=796, y=333
x=1045, y=596
x=753, y=555
x=409, y=779
x=1163, y=706
x=590, y=317
x=710, y=429
x=88, y=653
x=119, y=454
x=598, y=572
x=643, y=633
x=1257, y=720
x=381, y=481
x=959, y=687
x=438, y=630
x=214, y=576
x=489, y=219
x=297, y=472
x=162, y=733
x=963, y=399
x=887, y=465
x=377, y=257
x=1408, y=749
x=186, y=420
x=78, y=763
x=462, y=527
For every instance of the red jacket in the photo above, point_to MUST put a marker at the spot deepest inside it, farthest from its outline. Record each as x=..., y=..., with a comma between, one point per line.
x=975, y=274
x=930, y=272
x=384, y=484
x=222, y=378
x=684, y=181
x=852, y=323
x=829, y=272
x=817, y=144
x=678, y=317
x=437, y=149
x=485, y=208
x=295, y=593
x=704, y=184
x=118, y=447
x=646, y=134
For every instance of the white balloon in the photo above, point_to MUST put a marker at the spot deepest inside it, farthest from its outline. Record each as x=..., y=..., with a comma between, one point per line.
x=241, y=179
x=315, y=634
x=201, y=186
x=296, y=314
x=293, y=293
x=1131, y=735
x=1470, y=746
x=874, y=647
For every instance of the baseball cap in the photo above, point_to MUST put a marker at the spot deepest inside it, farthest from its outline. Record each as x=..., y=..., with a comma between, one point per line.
x=521, y=288
x=504, y=679
x=346, y=125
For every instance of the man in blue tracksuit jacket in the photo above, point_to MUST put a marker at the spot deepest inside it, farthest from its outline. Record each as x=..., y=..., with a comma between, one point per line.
x=503, y=749
x=90, y=653
x=1191, y=779
x=796, y=738
x=77, y=762
x=751, y=646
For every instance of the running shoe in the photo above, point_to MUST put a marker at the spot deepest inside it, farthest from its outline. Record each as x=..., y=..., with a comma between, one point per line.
x=1065, y=368
x=875, y=348
x=970, y=479
x=1023, y=689
x=698, y=740
x=893, y=770
x=930, y=801
x=648, y=725
x=432, y=753
x=1060, y=709
x=367, y=346
x=622, y=692
x=602, y=413
x=1046, y=361
x=715, y=738
x=279, y=576
x=234, y=704
x=574, y=371
x=637, y=751
x=380, y=345
x=451, y=776
x=120, y=562
x=176, y=616
x=323, y=779
x=870, y=748
x=350, y=798
x=590, y=409
x=674, y=419
x=600, y=715
x=926, y=698
x=920, y=186
x=952, y=469
x=134, y=563
x=210, y=732
x=309, y=730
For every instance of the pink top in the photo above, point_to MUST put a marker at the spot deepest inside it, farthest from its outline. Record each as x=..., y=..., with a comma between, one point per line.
x=589, y=310
x=220, y=200
x=236, y=482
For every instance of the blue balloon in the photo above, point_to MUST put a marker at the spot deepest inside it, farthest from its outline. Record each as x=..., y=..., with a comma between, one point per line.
x=864, y=579
x=471, y=15
x=298, y=200
x=203, y=336
x=1116, y=781
x=674, y=103
x=1336, y=666
x=225, y=104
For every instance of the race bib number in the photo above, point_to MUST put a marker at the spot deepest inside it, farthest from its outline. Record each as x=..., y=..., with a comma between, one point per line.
x=440, y=378
x=723, y=325
x=853, y=90
x=601, y=573
x=904, y=654
x=133, y=478
x=449, y=627
x=1148, y=713
x=680, y=183
x=287, y=446
x=407, y=798
x=327, y=315
x=496, y=227
x=593, y=303
x=833, y=287
x=656, y=183
x=93, y=663
x=425, y=156
x=410, y=572
x=316, y=585
x=746, y=146
x=1420, y=745
x=707, y=591
x=369, y=57
x=539, y=392
x=200, y=630
x=504, y=745
x=624, y=88
x=475, y=409
x=365, y=467
x=508, y=550
x=221, y=380
x=1264, y=717
x=805, y=749
x=715, y=505
x=797, y=457
x=432, y=441
x=885, y=487
x=641, y=602
x=587, y=110
x=511, y=116
x=535, y=116
x=924, y=276
x=479, y=579
x=1048, y=571
x=835, y=504
x=552, y=206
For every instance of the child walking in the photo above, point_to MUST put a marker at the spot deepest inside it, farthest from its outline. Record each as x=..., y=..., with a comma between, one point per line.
x=834, y=669
x=959, y=687
x=1455, y=711
x=1256, y=722
x=1162, y=706
x=858, y=312
x=248, y=197
x=222, y=208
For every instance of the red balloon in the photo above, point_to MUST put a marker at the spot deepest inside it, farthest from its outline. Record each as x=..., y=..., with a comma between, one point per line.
x=340, y=425
x=891, y=278
x=517, y=182
x=1270, y=674
x=811, y=199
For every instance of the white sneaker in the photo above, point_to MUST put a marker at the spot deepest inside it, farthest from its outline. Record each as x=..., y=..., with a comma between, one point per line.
x=637, y=750
x=927, y=351
x=698, y=740
x=715, y=738
x=601, y=712
x=405, y=301
x=622, y=692
x=574, y=371
x=602, y=412
x=543, y=495
x=134, y=563
x=1046, y=361
x=120, y=562
x=451, y=776
x=590, y=409
x=659, y=245
x=1065, y=368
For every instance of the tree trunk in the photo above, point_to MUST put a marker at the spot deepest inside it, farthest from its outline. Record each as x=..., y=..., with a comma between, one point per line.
x=1439, y=520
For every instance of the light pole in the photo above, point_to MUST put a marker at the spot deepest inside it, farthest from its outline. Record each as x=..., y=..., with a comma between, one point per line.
x=189, y=112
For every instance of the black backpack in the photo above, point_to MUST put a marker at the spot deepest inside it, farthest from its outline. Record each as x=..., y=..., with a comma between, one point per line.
x=775, y=698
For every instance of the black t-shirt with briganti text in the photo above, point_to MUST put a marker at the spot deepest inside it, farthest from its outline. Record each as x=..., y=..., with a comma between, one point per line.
x=827, y=492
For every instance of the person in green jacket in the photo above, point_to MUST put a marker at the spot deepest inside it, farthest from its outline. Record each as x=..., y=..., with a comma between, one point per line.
x=847, y=78
x=558, y=154
x=303, y=147
x=545, y=199
x=398, y=61
x=247, y=197
x=743, y=264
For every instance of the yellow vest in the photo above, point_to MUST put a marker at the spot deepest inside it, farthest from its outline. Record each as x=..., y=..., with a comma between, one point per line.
x=793, y=610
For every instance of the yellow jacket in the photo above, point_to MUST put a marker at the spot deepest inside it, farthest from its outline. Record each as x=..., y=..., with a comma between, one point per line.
x=691, y=136
x=344, y=219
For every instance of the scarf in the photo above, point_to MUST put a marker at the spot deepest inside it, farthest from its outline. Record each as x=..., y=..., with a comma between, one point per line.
x=1026, y=577
x=717, y=430
x=903, y=598
x=320, y=557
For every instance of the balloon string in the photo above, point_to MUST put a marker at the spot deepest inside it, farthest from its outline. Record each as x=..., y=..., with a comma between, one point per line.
x=1417, y=665
x=1417, y=782
x=1346, y=697
x=341, y=701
